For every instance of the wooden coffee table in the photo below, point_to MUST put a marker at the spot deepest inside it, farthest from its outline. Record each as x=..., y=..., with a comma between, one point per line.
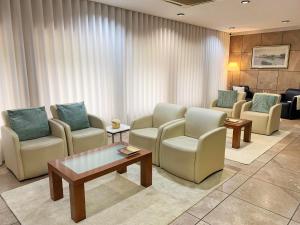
x=237, y=129
x=81, y=168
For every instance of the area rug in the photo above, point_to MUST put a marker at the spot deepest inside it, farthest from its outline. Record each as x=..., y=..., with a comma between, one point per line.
x=250, y=151
x=114, y=199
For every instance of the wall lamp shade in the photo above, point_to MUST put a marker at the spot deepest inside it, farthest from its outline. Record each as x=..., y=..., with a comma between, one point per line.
x=233, y=66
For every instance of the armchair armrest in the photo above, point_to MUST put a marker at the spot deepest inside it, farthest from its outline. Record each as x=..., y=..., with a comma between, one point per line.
x=247, y=106
x=57, y=130
x=174, y=129
x=142, y=122
x=211, y=148
x=12, y=151
x=96, y=122
x=283, y=97
x=237, y=107
x=68, y=133
x=274, y=119
x=214, y=103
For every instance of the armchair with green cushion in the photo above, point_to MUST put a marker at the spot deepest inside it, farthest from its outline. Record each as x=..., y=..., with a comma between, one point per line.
x=146, y=131
x=265, y=121
x=235, y=110
x=28, y=158
x=194, y=148
x=91, y=136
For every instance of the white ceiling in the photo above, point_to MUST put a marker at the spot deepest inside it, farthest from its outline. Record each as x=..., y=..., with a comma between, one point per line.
x=259, y=15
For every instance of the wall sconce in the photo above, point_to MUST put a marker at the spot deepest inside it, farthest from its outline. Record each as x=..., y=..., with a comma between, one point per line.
x=233, y=66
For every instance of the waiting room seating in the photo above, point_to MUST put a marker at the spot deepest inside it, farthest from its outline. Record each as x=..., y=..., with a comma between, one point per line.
x=28, y=159
x=263, y=122
x=194, y=148
x=289, y=104
x=233, y=112
x=146, y=131
x=83, y=139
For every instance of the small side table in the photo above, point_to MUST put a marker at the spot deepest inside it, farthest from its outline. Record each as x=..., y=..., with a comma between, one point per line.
x=123, y=128
x=237, y=129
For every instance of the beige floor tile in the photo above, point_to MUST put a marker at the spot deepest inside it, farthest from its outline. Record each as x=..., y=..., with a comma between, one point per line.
x=270, y=197
x=232, y=184
x=233, y=211
x=7, y=217
x=279, y=176
x=267, y=156
x=294, y=223
x=248, y=170
x=296, y=217
x=202, y=223
x=289, y=159
x=207, y=204
x=185, y=219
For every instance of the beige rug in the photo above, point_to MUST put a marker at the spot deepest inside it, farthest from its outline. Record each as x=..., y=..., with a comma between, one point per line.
x=251, y=151
x=114, y=199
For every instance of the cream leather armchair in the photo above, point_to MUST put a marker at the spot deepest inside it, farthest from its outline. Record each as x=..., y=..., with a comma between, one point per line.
x=146, y=131
x=235, y=111
x=28, y=159
x=263, y=123
x=85, y=139
x=194, y=148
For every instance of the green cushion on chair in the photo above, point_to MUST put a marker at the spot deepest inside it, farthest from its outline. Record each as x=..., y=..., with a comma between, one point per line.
x=29, y=123
x=74, y=114
x=263, y=103
x=226, y=99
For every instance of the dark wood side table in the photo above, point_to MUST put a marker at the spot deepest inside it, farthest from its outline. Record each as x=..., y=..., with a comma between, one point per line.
x=237, y=130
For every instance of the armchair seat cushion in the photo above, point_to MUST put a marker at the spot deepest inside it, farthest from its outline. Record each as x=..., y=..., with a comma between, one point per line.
x=37, y=152
x=178, y=155
x=259, y=121
x=228, y=111
x=150, y=132
x=86, y=139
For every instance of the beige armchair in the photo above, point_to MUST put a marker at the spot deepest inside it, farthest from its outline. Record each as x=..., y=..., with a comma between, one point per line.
x=28, y=159
x=263, y=123
x=235, y=111
x=194, y=148
x=146, y=131
x=85, y=139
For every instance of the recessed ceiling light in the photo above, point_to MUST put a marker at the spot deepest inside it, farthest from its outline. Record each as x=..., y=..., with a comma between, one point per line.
x=231, y=28
x=180, y=14
x=285, y=21
x=245, y=1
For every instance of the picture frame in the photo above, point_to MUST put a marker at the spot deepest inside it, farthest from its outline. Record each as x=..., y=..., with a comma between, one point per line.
x=270, y=57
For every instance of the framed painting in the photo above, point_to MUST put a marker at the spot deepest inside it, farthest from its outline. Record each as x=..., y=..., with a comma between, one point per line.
x=270, y=56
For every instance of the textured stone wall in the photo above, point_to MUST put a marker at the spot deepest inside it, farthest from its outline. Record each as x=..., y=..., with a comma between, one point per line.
x=270, y=80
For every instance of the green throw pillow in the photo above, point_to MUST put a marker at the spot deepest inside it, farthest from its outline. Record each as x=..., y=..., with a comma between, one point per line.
x=74, y=114
x=262, y=103
x=226, y=99
x=29, y=123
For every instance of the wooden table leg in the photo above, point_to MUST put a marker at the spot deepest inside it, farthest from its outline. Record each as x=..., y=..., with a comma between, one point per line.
x=122, y=170
x=113, y=138
x=236, y=138
x=247, y=132
x=77, y=202
x=146, y=171
x=56, y=187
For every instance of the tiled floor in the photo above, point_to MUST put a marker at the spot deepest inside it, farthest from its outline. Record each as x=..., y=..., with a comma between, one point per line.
x=266, y=192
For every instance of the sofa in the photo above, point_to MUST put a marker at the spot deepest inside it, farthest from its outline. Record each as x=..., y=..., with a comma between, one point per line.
x=83, y=139
x=289, y=104
x=194, y=148
x=146, y=131
x=28, y=159
x=233, y=112
x=263, y=123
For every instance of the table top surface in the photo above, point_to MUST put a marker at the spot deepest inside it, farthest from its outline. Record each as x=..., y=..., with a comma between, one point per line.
x=123, y=128
x=90, y=164
x=240, y=123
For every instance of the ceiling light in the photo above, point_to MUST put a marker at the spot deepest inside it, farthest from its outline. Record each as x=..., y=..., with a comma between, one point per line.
x=245, y=2
x=180, y=14
x=285, y=21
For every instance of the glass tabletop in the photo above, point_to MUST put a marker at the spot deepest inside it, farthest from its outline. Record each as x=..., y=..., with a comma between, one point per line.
x=92, y=160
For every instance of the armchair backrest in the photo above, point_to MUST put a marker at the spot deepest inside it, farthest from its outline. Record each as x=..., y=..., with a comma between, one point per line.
x=291, y=93
x=165, y=112
x=241, y=96
x=278, y=97
x=53, y=110
x=199, y=121
x=5, y=118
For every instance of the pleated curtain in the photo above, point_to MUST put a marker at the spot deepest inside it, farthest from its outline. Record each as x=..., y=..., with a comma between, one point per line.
x=119, y=62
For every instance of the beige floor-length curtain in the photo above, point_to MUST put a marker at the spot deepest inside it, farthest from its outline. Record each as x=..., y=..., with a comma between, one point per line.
x=120, y=62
